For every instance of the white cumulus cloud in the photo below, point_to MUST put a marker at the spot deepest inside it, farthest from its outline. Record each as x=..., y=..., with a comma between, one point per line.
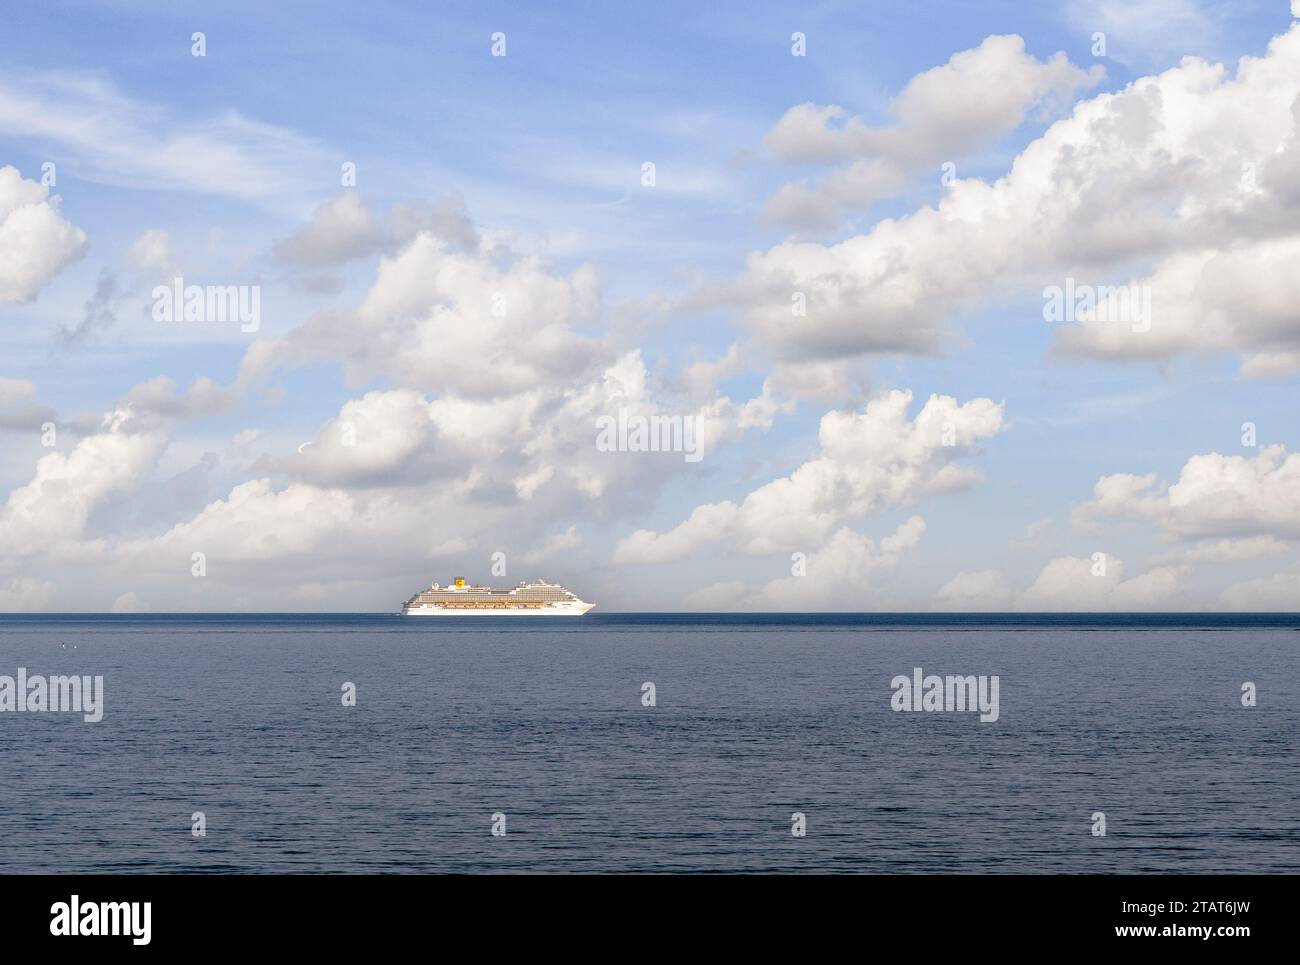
x=36, y=240
x=943, y=114
x=869, y=460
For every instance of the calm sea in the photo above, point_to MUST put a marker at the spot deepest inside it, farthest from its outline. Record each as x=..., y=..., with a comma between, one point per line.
x=544, y=723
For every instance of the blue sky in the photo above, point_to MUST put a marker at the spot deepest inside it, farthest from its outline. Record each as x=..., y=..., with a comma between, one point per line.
x=526, y=170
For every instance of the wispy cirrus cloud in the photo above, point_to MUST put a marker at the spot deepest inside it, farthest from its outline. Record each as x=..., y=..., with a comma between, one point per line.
x=103, y=135
x=1152, y=33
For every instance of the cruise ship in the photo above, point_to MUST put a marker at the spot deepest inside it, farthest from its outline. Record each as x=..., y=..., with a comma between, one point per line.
x=529, y=598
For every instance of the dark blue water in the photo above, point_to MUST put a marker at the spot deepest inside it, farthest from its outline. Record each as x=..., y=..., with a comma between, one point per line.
x=757, y=717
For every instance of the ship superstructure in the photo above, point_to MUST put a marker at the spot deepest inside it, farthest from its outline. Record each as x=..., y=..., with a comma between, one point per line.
x=528, y=598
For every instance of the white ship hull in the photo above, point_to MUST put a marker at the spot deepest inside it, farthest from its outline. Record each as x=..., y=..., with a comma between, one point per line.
x=554, y=610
